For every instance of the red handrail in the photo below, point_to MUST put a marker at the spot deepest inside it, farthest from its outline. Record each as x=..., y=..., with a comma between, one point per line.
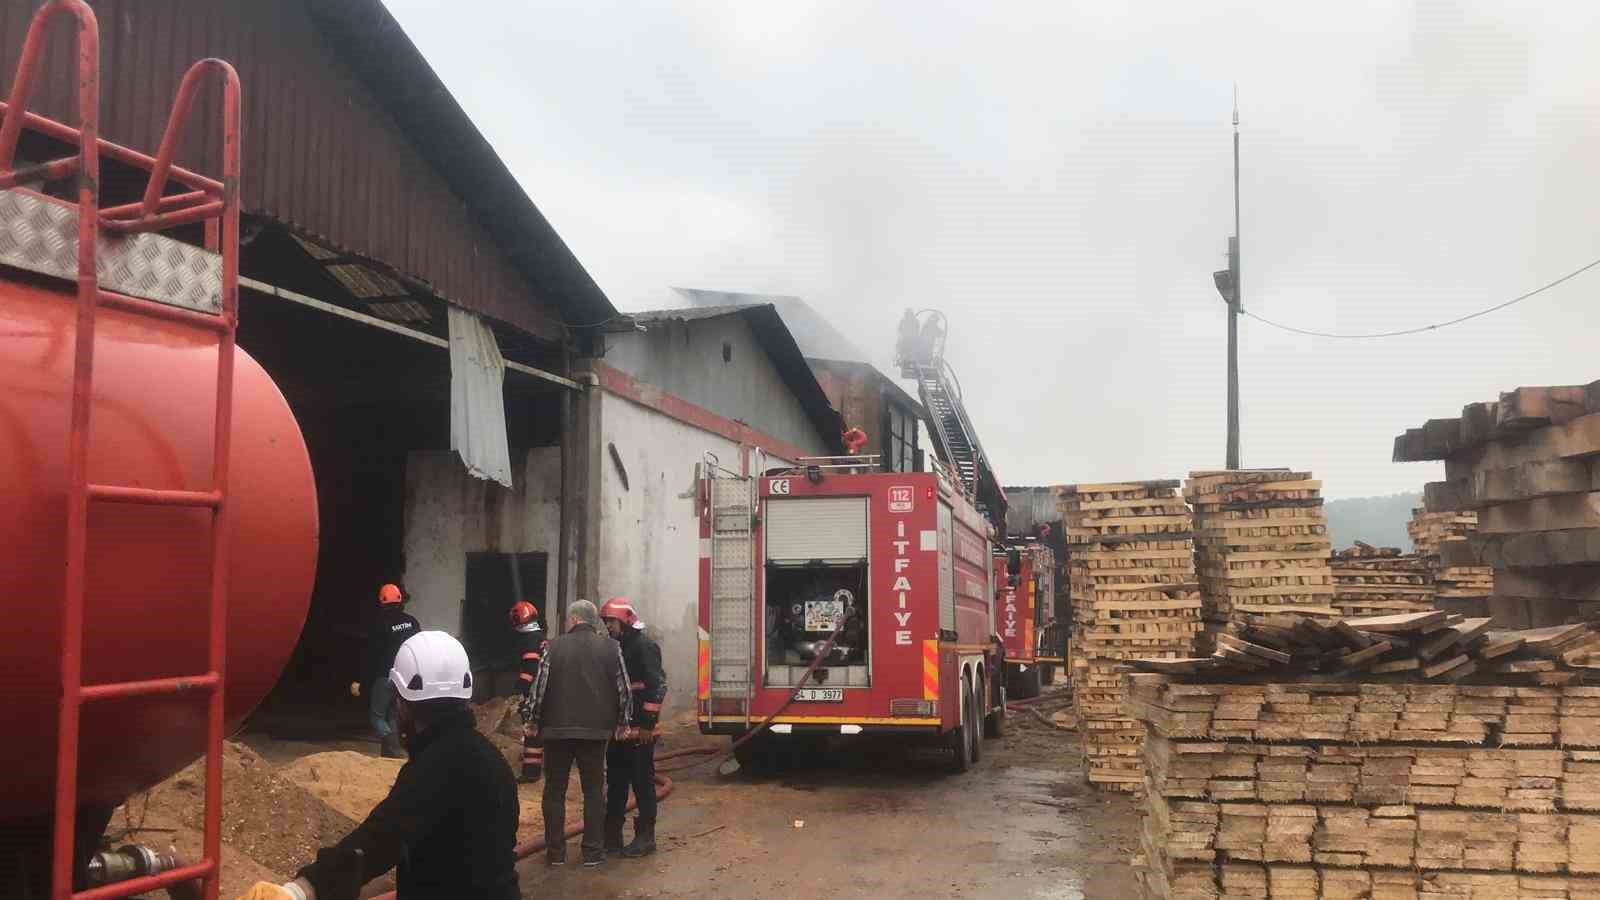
x=205, y=199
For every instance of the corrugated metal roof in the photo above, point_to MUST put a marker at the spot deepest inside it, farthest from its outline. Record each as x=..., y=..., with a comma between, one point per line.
x=770, y=330
x=349, y=137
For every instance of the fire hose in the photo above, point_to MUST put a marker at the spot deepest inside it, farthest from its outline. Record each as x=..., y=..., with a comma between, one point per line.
x=664, y=784
x=1026, y=706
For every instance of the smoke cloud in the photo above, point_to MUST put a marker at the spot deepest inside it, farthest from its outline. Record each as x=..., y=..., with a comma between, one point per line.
x=1056, y=177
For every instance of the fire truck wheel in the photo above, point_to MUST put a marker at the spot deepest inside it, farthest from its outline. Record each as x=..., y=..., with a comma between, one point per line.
x=1024, y=685
x=959, y=739
x=994, y=724
x=758, y=756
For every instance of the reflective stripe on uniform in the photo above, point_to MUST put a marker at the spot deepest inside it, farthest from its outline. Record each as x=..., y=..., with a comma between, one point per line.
x=652, y=707
x=531, y=655
x=636, y=685
x=526, y=676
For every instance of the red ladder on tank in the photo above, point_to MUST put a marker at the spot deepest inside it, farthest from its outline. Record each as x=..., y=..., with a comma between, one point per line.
x=202, y=200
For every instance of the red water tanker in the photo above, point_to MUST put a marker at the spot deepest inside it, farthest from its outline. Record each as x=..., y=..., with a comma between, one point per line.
x=146, y=588
x=158, y=526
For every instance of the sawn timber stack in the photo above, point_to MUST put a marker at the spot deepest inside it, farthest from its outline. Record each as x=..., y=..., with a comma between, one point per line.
x=1297, y=783
x=1458, y=588
x=1528, y=466
x=1261, y=544
x=1370, y=581
x=1131, y=578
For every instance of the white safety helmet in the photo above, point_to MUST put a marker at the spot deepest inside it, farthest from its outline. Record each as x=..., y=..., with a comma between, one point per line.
x=432, y=665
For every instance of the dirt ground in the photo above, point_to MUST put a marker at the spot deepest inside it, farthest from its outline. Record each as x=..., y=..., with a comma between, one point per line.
x=867, y=820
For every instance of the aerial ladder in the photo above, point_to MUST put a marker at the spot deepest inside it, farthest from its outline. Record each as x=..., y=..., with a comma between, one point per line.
x=919, y=352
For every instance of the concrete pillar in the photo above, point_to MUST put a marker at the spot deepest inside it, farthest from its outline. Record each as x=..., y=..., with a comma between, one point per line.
x=584, y=485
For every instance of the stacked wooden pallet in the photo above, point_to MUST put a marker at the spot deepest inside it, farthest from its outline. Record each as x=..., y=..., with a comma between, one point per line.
x=1371, y=581
x=1528, y=465
x=1458, y=588
x=1286, y=790
x=1131, y=578
x=1261, y=543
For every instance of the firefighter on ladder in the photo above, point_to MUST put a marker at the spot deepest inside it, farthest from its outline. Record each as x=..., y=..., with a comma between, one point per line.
x=530, y=645
x=630, y=760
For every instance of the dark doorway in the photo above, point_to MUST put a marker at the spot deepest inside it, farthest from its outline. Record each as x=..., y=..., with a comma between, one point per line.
x=492, y=580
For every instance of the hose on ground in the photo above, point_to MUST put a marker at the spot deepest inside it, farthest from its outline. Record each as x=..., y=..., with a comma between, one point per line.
x=664, y=784
x=1025, y=705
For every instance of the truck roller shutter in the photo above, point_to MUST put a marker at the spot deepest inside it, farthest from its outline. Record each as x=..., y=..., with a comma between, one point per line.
x=947, y=571
x=832, y=529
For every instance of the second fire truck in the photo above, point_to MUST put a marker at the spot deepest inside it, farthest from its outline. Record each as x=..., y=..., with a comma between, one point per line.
x=838, y=599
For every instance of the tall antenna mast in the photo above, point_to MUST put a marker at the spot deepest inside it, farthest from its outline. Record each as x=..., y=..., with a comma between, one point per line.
x=1233, y=307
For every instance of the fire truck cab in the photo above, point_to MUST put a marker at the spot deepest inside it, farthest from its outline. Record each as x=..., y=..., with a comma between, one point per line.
x=837, y=599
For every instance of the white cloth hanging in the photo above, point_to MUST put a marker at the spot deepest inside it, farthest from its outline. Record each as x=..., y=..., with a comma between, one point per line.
x=477, y=399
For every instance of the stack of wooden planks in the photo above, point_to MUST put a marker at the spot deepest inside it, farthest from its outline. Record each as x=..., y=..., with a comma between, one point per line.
x=1261, y=543
x=1422, y=646
x=1429, y=531
x=1528, y=466
x=1458, y=588
x=1370, y=581
x=1131, y=578
x=1339, y=789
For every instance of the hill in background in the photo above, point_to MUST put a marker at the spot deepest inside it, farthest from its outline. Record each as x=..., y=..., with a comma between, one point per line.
x=1380, y=521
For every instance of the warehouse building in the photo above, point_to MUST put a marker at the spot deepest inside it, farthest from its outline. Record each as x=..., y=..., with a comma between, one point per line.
x=405, y=294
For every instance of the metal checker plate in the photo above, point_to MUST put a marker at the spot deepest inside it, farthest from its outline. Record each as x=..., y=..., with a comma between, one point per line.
x=40, y=234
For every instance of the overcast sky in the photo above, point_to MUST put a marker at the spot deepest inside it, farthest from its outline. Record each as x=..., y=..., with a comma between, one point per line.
x=1056, y=177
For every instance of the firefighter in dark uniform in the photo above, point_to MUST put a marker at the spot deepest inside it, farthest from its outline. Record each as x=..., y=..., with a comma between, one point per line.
x=391, y=627
x=631, y=759
x=530, y=647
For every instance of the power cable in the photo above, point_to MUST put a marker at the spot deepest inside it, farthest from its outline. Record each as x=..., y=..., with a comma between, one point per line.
x=1418, y=330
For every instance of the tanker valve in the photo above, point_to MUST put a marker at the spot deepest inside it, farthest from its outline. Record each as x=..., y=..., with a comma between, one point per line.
x=131, y=861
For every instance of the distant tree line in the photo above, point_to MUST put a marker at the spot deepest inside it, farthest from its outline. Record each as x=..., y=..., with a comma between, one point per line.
x=1380, y=521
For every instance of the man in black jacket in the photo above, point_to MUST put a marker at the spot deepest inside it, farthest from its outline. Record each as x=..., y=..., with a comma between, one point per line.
x=631, y=760
x=392, y=627
x=579, y=701
x=449, y=824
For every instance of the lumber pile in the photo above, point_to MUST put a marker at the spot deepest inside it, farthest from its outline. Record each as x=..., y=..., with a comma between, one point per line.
x=1430, y=531
x=1261, y=543
x=1301, y=787
x=1422, y=646
x=1528, y=467
x=1373, y=581
x=1458, y=588
x=1131, y=581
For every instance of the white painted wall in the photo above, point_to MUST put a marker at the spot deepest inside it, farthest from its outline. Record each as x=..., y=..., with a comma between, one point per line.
x=449, y=514
x=649, y=533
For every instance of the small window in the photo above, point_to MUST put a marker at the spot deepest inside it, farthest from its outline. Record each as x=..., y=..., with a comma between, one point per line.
x=900, y=439
x=727, y=352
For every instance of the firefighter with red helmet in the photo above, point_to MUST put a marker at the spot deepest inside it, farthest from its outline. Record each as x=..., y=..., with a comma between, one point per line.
x=391, y=627
x=530, y=646
x=631, y=758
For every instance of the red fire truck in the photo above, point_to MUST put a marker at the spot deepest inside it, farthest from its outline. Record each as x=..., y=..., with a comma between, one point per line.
x=894, y=565
x=1024, y=581
x=840, y=599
